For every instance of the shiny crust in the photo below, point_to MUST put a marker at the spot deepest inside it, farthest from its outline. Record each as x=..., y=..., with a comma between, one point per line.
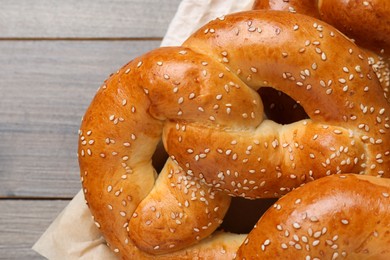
x=347, y=217
x=368, y=22
x=201, y=99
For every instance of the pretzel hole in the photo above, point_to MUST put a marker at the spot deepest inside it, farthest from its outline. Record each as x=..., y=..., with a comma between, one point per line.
x=159, y=157
x=243, y=214
x=280, y=107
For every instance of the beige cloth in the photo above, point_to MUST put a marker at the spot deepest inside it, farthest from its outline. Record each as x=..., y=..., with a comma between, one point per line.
x=73, y=234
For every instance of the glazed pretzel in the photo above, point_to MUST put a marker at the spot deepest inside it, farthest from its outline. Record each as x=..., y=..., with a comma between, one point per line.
x=201, y=99
x=350, y=220
x=367, y=22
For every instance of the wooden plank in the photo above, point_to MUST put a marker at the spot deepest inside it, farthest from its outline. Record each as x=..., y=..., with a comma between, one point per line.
x=85, y=19
x=45, y=89
x=22, y=222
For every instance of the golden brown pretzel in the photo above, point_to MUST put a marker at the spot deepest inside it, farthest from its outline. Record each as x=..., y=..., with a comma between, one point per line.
x=201, y=98
x=336, y=217
x=368, y=22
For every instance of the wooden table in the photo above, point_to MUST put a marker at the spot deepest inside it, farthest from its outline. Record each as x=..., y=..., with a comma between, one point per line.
x=53, y=57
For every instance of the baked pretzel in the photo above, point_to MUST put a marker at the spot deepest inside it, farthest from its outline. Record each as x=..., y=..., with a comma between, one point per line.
x=367, y=22
x=346, y=217
x=201, y=99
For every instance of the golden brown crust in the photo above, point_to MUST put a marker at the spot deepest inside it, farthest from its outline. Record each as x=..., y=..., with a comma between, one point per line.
x=347, y=16
x=155, y=228
x=367, y=22
x=325, y=81
x=347, y=217
x=268, y=162
x=201, y=99
x=381, y=66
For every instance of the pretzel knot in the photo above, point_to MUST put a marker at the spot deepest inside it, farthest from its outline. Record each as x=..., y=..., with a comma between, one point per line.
x=201, y=99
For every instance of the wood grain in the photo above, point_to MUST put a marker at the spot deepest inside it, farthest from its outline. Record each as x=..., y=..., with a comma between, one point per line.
x=53, y=57
x=22, y=222
x=85, y=18
x=45, y=88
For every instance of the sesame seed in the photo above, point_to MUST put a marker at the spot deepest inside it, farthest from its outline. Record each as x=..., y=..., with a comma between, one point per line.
x=252, y=29
x=296, y=225
x=336, y=131
x=342, y=80
x=323, y=56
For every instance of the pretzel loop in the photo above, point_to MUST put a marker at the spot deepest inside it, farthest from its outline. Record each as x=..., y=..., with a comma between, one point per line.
x=327, y=83
x=347, y=16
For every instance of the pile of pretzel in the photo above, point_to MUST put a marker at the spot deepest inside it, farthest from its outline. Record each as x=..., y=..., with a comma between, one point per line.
x=328, y=168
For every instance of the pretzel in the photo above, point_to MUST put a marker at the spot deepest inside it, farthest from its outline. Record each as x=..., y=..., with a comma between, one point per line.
x=201, y=99
x=366, y=22
x=347, y=217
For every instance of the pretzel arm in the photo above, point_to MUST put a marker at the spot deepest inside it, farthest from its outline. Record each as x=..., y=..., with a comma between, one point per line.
x=178, y=212
x=268, y=162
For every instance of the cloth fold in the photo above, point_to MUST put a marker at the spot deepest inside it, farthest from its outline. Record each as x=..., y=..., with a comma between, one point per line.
x=73, y=234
